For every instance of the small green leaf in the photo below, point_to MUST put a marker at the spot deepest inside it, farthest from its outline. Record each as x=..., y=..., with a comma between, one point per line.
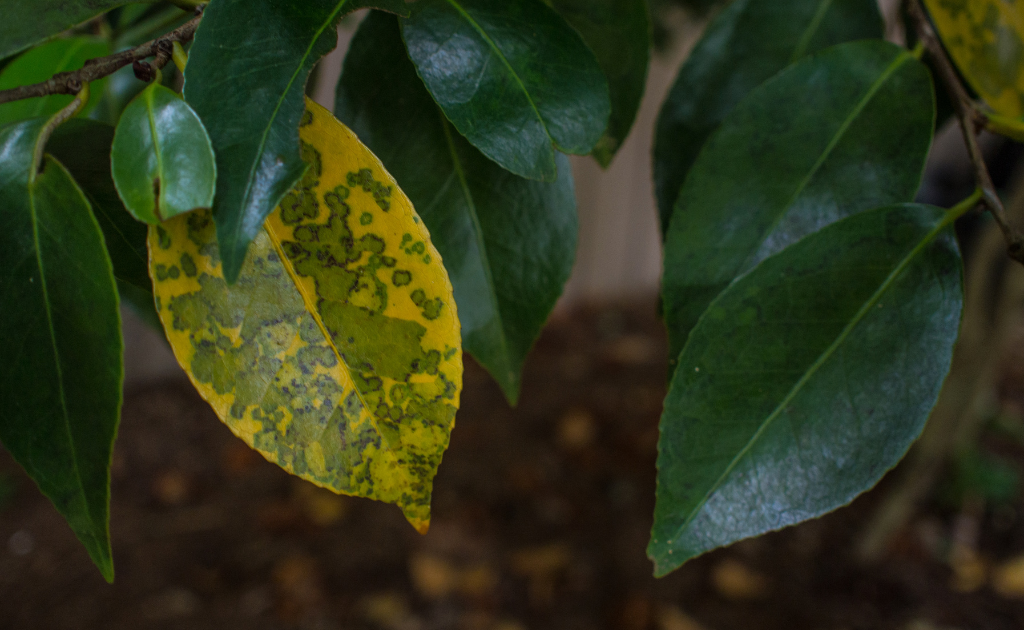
x=246, y=78
x=507, y=242
x=512, y=77
x=619, y=33
x=775, y=172
x=806, y=380
x=28, y=22
x=83, y=147
x=161, y=160
x=748, y=42
x=60, y=334
x=986, y=40
x=40, y=64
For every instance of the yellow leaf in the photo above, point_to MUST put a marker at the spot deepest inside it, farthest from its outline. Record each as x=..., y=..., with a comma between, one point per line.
x=986, y=40
x=337, y=354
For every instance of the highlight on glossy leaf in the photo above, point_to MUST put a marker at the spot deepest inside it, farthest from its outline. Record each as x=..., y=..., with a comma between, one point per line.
x=807, y=379
x=161, y=160
x=986, y=40
x=513, y=77
x=337, y=353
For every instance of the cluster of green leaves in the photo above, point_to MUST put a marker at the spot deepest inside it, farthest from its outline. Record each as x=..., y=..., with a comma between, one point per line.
x=811, y=308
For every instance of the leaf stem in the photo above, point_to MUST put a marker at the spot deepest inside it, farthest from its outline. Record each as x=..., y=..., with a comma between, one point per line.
x=55, y=121
x=72, y=82
x=179, y=56
x=971, y=121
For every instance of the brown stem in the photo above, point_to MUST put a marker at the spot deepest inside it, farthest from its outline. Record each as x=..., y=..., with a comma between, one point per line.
x=971, y=121
x=72, y=82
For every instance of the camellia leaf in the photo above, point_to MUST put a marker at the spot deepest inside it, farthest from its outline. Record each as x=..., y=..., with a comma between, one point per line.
x=161, y=160
x=83, y=147
x=246, y=77
x=60, y=333
x=508, y=242
x=512, y=77
x=336, y=355
x=772, y=174
x=747, y=43
x=619, y=33
x=28, y=22
x=986, y=40
x=806, y=380
x=40, y=64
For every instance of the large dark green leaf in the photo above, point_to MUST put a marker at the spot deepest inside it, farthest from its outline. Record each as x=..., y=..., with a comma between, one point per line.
x=747, y=43
x=512, y=77
x=841, y=131
x=508, y=242
x=806, y=380
x=60, y=333
x=245, y=78
x=28, y=22
x=161, y=160
x=619, y=33
x=42, y=63
x=83, y=147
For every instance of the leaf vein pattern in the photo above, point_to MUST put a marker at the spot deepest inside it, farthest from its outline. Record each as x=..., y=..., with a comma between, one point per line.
x=818, y=363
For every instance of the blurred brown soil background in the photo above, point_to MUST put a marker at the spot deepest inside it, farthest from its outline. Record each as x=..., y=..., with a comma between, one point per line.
x=540, y=520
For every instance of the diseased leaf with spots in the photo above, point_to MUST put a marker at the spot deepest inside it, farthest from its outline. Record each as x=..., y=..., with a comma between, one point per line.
x=161, y=160
x=60, y=338
x=806, y=380
x=986, y=40
x=513, y=77
x=246, y=79
x=508, y=242
x=337, y=353
x=771, y=174
x=39, y=64
x=747, y=43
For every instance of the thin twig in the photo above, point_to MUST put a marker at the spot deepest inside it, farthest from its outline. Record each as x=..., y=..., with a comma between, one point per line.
x=72, y=82
x=971, y=121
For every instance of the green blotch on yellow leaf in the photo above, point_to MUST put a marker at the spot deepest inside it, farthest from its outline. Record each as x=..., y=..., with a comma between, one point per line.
x=986, y=40
x=318, y=357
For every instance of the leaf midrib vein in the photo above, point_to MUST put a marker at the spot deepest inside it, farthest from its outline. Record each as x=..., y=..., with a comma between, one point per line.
x=53, y=344
x=490, y=42
x=479, y=234
x=840, y=133
x=273, y=117
x=312, y=310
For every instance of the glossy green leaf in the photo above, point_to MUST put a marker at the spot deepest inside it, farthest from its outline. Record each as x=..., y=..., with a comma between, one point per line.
x=28, y=22
x=246, y=77
x=83, y=147
x=512, y=77
x=508, y=242
x=775, y=172
x=40, y=64
x=747, y=43
x=806, y=380
x=60, y=334
x=337, y=353
x=619, y=33
x=986, y=40
x=161, y=159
